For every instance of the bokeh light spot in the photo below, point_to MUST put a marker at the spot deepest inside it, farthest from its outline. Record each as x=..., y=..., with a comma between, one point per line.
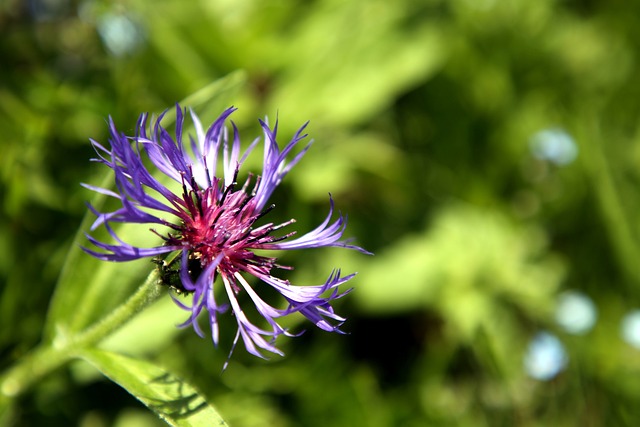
x=545, y=357
x=576, y=313
x=630, y=328
x=554, y=145
x=120, y=34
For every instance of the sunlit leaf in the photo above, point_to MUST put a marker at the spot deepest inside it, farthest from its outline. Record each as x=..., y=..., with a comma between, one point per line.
x=174, y=400
x=466, y=262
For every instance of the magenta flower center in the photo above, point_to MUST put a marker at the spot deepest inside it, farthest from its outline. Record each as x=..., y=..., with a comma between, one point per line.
x=218, y=222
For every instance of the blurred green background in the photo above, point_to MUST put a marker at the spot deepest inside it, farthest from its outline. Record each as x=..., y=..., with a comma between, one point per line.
x=487, y=151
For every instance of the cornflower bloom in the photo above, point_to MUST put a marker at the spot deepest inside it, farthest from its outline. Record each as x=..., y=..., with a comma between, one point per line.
x=211, y=225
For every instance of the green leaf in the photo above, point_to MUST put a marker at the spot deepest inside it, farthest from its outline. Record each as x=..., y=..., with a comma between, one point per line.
x=501, y=261
x=366, y=36
x=171, y=398
x=88, y=289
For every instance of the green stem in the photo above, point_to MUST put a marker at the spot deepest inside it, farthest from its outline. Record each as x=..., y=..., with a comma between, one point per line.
x=45, y=359
x=618, y=221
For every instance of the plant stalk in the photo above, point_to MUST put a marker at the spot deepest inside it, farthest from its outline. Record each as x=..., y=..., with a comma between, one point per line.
x=45, y=359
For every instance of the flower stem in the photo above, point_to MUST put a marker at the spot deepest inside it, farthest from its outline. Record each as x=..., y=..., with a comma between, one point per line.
x=46, y=358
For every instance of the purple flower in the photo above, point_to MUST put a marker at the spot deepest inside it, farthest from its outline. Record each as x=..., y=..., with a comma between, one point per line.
x=215, y=224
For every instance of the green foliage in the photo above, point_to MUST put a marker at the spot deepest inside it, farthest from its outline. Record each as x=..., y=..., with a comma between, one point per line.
x=423, y=114
x=170, y=397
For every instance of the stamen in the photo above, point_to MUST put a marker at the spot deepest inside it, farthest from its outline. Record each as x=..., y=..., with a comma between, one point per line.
x=227, y=190
x=206, y=171
x=213, y=224
x=244, y=203
x=188, y=197
x=284, y=224
x=185, y=192
x=242, y=236
x=195, y=191
x=166, y=239
x=265, y=211
x=257, y=184
x=261, y=261
x=171, y=225
x=246, y=183
x=272, y=239
x=266, y=229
